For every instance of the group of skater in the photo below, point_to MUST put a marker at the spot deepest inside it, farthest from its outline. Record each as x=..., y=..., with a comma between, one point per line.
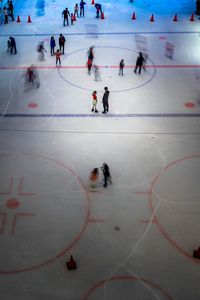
x=79, y=10
x=95, y=177
x=8, y=11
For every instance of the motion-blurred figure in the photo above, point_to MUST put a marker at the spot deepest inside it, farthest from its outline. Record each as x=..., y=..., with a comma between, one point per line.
x=41, y=51
x=97, y=76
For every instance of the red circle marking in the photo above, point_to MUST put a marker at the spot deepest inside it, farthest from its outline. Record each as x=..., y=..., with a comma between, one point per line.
x=145, y=281
x=32, y=105
x=76, y=238
x=190, y=104
x=162, y=37
x=12, y=203
x=157, y=222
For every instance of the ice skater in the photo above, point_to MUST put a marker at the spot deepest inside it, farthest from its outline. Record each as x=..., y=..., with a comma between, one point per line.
x=145, y=61
x=62, y=43
x=98, y=9
x=65, y=15
x=13, y=48
x=97, y=76
x=72, y=18
x=105, y=100
x=82, y=9
x=41, y=51
x=139, y=63
x=76, y=10
x=106, y=175
x=90, y=53
x=89, y=66
x=8, y=45
x=121, y=67
x=94, y=102
x=58, y=55
x=198, y=7
x=94, y=179
x=52, y=45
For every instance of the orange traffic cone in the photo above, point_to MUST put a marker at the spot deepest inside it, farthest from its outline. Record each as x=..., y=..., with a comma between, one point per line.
x=175, y=19
x=74, y=17
x=192, y=18
x=102, y=16
x=133, y=16
x=29, y=19
x=18, y=19
x=152, y=18
x=71, y=264
x=92, y=2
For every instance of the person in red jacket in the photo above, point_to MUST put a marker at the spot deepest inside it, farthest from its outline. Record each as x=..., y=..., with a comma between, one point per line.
x=58, y=55
x=89, y=65
x=94, y=102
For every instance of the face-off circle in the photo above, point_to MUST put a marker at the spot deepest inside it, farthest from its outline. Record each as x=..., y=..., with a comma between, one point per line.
x=39, y=222
x=177, y=188
x=117, y=287
x=107, y=58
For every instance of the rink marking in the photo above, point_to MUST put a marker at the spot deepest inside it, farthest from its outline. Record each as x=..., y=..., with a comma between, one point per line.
x=158, y=115
x=101, y=33
x=101, y=66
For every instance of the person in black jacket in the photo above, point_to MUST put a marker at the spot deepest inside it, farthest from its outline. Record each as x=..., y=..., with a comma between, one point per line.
x=82, y=3
x=65, y=15
x=62, y=43
x=13, y=45
x=106, y=174
x=105, y=100
x=139, y=63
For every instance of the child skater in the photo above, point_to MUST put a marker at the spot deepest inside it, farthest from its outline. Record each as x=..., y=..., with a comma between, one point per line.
x=94, y=102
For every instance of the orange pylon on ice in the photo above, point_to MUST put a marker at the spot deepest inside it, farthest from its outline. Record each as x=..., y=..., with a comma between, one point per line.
x=192, y=18
x=175, y=19
x=71, y=264
x=74, y=17
x=102, y=16
x=18, y=19
x=29, y=19
x=92, y=2
x=152, y=18
x=133, y=16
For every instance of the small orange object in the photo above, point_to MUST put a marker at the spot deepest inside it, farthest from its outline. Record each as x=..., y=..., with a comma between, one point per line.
x=18, y=19
x=152, y=18
x=71, y=264
x=92, y=2
x=29, y=19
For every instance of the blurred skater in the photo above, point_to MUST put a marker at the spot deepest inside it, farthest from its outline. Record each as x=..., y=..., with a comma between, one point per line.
x=198, y=7
x=105, y=100
x=8, y=45
x=13, y=48
x=139, y=63
x=90, y=53
x=97, y=76
x=72, y=18
x=145, y=55
x=10, y=8
x=94, y=102
x=82, y=9
x=58, y=55
x=52, y=45
x=31, y=78
x=89, y=66
x=41, y=51
x=76, y=10
x=106, y=175
x=94, y=178
x=121, y=67
x=5, y=13
x=98, y=9
x=62, y=43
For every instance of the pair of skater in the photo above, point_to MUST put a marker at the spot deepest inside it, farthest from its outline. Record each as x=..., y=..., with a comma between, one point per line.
x=104, y=101
x=94, y=176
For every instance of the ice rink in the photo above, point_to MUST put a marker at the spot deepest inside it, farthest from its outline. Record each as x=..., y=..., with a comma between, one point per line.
x=134, y=239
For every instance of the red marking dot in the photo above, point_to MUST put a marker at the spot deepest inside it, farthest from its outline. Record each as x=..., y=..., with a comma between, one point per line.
x=12, y=203
x=32, y=105
x=190, y=104
x=162, y=37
